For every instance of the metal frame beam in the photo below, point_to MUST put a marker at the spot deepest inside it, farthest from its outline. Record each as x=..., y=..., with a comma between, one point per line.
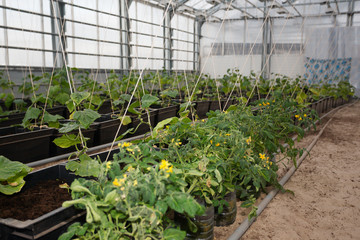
x=59, y=16
x=296, y=10
x=6, y=39
x=237, y=8
x=264, y=65
x=350, y=14
x=167, y=33
x=197, y=37
x=125, y=35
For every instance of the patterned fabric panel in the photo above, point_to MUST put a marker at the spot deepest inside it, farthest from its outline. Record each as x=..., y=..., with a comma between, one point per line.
x=327, y=70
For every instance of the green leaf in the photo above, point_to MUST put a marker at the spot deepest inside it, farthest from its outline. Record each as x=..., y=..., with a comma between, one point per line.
x=66, y=140
x=86, y=117
x=147, y=100
x=78, y=97
x=85, y=167
x=126, y=121
x=62, y=98
x=68, y=127
x=172, y=201
x=12, y=174
x=174, y=234
x=218, y=175
x=162, y=124
x=170, y=93
x=31, y=114
x=161, y=206
x=133, y=106
x=195, y=172
x=49, y=118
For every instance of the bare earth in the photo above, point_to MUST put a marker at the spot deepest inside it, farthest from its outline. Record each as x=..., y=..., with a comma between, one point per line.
x=326, y=204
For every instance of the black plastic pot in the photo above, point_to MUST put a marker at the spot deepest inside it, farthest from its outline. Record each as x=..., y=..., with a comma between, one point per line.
x=204, y=223
x=164, y=112
x=215, y=105
x=50, y=225
x=107, y=128
x=143, y=128
x=19, y=144
x=12, y=119
x=202, y=107
x=228, y=214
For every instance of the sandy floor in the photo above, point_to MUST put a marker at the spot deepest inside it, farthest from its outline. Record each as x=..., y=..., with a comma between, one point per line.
x=326, y=204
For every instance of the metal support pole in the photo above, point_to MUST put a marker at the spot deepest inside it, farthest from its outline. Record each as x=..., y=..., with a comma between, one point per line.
x=6, y=39
x=350, y=15
x=167, y=38
x=125, y=36
x=98, y=34
x=58, y=15
x=270, y=46
x=264, y=66
x=42, y=35
x=197, y=36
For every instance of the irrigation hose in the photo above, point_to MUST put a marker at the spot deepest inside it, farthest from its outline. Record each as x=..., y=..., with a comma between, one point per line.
x=240, y=231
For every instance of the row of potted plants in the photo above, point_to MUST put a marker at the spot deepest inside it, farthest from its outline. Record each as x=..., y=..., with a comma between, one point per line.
x=198, y=159
x=40, y=125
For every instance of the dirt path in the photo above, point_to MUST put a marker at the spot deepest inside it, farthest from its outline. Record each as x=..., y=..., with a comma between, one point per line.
x=326, y=204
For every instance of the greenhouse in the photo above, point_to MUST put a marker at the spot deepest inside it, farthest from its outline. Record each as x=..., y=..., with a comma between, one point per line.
x=179, y=119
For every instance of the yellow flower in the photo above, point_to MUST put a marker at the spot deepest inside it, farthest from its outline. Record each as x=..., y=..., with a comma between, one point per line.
x=218, y=144
x=108, y=165
x=267, y=158
x=170, y=170
x=297, y=116
x=270, y=163
x=300, y=118
x=164, y=164
x=268, y=168
x=130, y=150
x=167, y=127
x=305, y=115
x=116, y=183
x=211, y=141
x=248, y=141
x=262, y=156
x=135, y=183
x=203, y=120
x=267, y=162
x=130, y=169
x=225, y=142
x=122, y=189
x=273, y=100
x=260, y=104
x=125, y=144
x=148, y=168
x=125, y=176
x=172, y=140
x=228, y=134
x=267, y=103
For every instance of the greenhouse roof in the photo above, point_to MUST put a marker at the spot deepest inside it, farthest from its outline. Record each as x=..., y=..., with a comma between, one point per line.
x=216, y=10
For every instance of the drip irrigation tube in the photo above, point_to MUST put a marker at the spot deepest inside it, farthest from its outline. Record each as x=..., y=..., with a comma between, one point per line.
x=240, y=231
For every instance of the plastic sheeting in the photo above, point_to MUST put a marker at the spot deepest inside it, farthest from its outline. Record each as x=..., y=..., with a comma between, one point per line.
x=333, y=54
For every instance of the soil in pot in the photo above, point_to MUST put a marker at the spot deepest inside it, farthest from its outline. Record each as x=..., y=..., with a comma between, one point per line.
x=34, y=202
